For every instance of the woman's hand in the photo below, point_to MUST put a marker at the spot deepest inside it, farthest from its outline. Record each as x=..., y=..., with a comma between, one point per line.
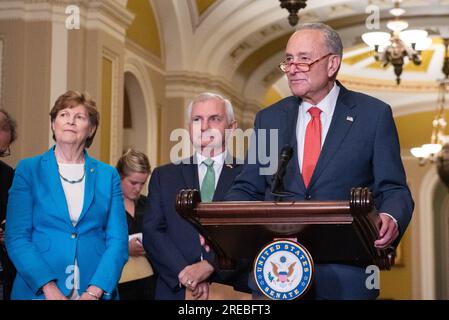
x=135, y=248
x=52, y=292
x=92, y=293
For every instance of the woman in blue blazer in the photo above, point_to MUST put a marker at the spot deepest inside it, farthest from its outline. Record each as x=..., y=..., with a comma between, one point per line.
x=66, y=229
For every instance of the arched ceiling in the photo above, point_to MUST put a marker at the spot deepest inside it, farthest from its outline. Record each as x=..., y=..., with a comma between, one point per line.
x=242, y=41
x=203, y=5
x=144, y=19
x=234, y=40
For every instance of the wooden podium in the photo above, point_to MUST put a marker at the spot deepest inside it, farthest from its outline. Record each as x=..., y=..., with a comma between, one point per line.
x=332, y=231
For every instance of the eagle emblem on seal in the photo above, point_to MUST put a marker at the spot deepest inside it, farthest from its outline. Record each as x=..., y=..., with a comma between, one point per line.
x=282, y=275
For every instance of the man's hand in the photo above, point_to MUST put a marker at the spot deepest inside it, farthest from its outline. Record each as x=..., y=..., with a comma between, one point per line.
x=388, y=232
x=201, y=291
x=195, y=273
x=135, y=248
x=204, y=244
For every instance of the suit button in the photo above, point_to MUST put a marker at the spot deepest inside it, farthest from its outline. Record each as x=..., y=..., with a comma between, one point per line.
x=73, y=235
x=308, y=197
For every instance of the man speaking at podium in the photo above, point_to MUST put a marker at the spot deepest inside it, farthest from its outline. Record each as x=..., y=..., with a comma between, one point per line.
x=341, y=139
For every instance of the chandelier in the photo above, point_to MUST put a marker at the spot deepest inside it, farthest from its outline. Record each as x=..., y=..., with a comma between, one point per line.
x=438, y=148
x=392, y=48
x=293, y=6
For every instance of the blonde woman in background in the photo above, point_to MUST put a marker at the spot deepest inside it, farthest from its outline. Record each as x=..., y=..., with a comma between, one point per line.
x=134, y=169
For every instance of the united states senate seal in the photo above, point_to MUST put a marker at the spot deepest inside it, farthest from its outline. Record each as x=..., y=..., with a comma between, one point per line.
x=283, y=270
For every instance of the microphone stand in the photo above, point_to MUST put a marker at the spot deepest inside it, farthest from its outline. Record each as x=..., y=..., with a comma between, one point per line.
x=277, y=183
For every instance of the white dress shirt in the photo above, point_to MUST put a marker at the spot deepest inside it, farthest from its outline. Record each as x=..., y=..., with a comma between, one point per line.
x=202, y=168
x=327, y=106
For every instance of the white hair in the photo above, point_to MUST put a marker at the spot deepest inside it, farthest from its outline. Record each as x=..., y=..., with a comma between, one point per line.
x=331, y=37
x=205, y=96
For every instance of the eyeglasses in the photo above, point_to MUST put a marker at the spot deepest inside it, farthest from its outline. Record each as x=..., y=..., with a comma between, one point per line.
x=5, y=153
x=286, y=65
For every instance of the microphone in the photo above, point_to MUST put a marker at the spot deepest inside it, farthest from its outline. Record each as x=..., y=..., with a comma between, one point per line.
x=277, y=185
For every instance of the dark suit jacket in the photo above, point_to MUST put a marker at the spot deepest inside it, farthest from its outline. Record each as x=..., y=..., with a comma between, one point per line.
x=6, y=176
x=171, y=242
x=361, y=150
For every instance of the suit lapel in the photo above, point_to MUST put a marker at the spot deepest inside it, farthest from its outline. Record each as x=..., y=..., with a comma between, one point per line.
x=338, y=130
x=289, y=117
x=226, y=178
x=89, y=187
x=54, y=184
x=190, y=174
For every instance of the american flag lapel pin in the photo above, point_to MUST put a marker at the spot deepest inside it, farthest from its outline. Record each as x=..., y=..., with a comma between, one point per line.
x=349, y=118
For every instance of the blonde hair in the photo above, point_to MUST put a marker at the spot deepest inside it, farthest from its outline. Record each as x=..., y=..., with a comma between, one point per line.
x=133, y=161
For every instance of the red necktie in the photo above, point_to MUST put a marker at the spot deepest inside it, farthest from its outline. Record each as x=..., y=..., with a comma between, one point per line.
x=312, y=145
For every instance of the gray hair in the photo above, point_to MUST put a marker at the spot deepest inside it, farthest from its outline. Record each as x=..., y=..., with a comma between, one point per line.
x=205, y=96
x=331, y=37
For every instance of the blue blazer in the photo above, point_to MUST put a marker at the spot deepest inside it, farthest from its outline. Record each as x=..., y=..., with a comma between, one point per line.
x=41, y=240
x=361, y=150
x=171, y=242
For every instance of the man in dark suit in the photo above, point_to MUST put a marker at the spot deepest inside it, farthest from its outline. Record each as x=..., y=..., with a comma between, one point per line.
x=7, y=136
x=341, y=139
x=174, y=246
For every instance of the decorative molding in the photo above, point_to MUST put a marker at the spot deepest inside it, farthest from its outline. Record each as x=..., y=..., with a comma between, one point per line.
x=109, y=16
x=424, y=226
x=184, y=84
x=272, y=77
x=383, y=85
x=37, y=10
x=194, y=15
x=58, y=67
x=421, y=105
x=256, y=40
x=135, y=65
x=196, y=18
x=252, y=106
x=146, y=57
x=116, y=112
x=249, y=112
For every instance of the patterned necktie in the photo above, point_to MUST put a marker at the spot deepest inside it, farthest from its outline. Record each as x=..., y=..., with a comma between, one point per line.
x=208, y=185
x=312, y=145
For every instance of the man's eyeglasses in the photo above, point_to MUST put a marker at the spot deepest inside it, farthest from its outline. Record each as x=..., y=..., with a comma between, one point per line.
x=5, y=153
x=287, y=64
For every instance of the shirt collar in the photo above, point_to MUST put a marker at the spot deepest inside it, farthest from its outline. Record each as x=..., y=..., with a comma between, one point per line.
x=218, y=159
x=327, y=105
